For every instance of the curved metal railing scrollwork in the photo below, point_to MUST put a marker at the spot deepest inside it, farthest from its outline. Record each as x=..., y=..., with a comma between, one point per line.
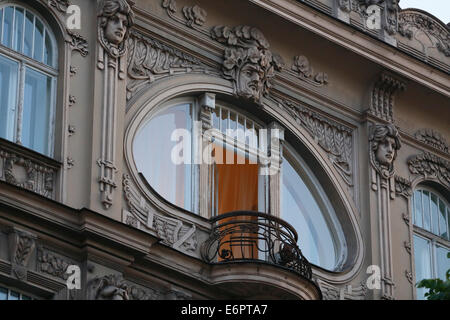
x=245, y=235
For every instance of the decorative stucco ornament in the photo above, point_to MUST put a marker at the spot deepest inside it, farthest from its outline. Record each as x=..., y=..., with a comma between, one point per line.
x=115, y=18
x=248, y=62
x=384, y=143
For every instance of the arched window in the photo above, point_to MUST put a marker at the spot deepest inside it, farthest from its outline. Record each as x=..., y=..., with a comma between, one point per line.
x=28, y=71
x=431, y=214
x=306, y=207
x=241, y=147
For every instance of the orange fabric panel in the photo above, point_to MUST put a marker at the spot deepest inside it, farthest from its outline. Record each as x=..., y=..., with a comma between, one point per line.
x=237, y=189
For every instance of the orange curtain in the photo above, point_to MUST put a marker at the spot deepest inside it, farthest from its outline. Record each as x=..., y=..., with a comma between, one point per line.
x=237, y=189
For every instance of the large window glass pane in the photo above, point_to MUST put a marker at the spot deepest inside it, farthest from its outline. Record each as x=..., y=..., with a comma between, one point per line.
x=434, y=213
x=3, y=293
x=442, y=220
x=422, y=259
x=418, y=208
x=28, y=41
x=8, y=26
x=152, y=149
x=443, y=263
x=48, y=51
x=300, y=208
x=36, y=111
x=8, y=97
x=426, y=210
x=38, y=41
x=18, y=29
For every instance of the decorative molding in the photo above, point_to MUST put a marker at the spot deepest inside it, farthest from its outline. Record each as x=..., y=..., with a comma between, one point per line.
x=72, y=100
x=430, y=166
x=70, y=162
x=382, y=96
x=384, y=142
x=405, y=217
x=114, y=287
x=52, y=264
x=150, y=60
x=403, y=187
x=21, y=246
x=78, y=43
x=304, y=71
x=432, y=138
x=412, y=22
x=248, y=62
x=60, y=5
x=173, y=232
x=407, y=246
x=112, y=38
x=193, y=17
x=71, y=130
x=26, y=172
x=335, y=138
x=73, y=71
x=409, y=276
x=347, y=292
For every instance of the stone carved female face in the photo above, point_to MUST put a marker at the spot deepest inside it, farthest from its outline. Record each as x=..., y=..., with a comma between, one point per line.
x=384, y=141
x=116, y=28
x=386, y=152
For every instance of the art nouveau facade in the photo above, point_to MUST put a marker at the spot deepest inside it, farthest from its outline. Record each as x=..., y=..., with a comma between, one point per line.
x=337, y=134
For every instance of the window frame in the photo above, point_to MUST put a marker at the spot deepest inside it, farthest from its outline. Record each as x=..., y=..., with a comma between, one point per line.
x=25, y=62
x=321, y=198
x=434, y=239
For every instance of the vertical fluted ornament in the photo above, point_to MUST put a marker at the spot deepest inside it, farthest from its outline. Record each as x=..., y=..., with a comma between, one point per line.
x=115, y=18
x=384, y=144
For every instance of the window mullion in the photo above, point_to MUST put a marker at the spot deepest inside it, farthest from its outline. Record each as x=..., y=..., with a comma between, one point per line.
x=21, y=91
x=32, y=38
x=3, y=24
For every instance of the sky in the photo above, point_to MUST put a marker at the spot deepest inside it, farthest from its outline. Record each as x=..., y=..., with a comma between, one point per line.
x=438, y=8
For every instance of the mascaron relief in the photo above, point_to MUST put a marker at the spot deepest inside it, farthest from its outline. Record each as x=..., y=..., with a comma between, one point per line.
x=384, y=144
x=248, y=62
x=173, y=232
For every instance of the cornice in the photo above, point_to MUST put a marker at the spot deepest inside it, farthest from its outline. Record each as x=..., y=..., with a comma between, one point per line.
x=354, y=40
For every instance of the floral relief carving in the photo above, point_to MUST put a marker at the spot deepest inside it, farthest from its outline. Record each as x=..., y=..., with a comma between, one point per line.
x=346, y=292
x=403, y=187
x=430, y=166
x=248, y=62
x=60, y=5
x=173, y=232
x=336, y=139
x=78, y=43
x=114, y=287
x=22, y=245
x=304, y=71
x=26, y=173
x=149, y=60
x=52, y=264
x=432, y=138
x=413, y=22
x=194, y=17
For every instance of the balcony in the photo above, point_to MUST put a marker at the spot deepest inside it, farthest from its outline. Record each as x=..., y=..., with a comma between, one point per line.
x=244, y=236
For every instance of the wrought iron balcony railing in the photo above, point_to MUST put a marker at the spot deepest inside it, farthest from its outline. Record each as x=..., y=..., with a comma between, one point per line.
x=248, y=236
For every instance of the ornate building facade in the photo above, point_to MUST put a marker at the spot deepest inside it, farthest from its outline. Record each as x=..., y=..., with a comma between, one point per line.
x=339, y=111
